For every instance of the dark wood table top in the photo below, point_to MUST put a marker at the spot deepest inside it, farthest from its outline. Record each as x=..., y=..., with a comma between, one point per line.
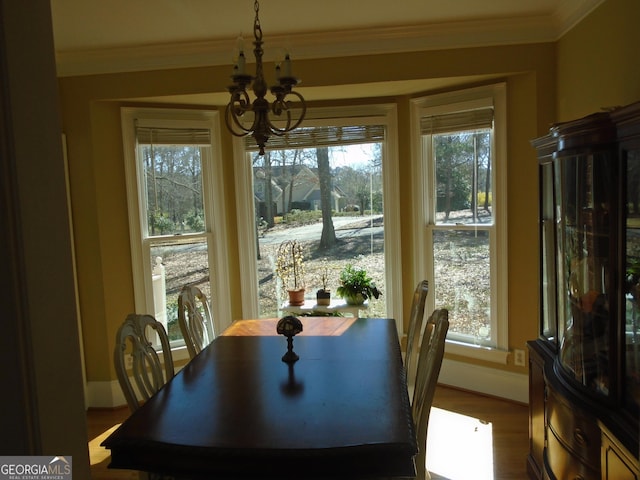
x=238, y=411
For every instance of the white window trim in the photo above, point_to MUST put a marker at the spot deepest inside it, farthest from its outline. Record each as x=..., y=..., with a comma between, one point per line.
x=421, y=187
x=370, y=114
x=214, y=201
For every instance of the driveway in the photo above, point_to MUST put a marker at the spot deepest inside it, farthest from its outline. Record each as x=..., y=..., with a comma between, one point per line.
x=345, y=227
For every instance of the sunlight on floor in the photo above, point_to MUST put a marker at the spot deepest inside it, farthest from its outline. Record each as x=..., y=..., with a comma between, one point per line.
x=459, y=447
x=98, y=454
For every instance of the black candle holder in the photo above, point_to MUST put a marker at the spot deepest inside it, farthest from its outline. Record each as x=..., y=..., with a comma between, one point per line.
x=289, y=326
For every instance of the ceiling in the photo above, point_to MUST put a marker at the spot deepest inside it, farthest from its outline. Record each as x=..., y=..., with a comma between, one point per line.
x=97, y=36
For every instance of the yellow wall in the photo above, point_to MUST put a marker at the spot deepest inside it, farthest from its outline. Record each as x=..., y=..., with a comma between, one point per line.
x=591, y=66
x=91, y=119
x=598, y=61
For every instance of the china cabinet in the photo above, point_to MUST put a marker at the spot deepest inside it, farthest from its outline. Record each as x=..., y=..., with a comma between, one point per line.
x=584, y=382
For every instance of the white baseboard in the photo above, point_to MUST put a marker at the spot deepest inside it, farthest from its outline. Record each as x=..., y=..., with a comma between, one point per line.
x=108, y=394
x=490, y=381
x=105, y=395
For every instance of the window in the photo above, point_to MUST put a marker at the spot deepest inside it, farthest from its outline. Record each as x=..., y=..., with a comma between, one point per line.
x=171, y=163
x=462, y=245
x=358, y=145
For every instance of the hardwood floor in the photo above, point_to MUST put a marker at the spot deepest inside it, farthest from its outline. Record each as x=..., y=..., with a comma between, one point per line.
x=100, y=423
x=508, y=423
x=502, y=423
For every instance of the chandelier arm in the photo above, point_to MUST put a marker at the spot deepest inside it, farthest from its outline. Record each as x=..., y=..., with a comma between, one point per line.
x=280, y=131
x=233, y=123
x=281, y=106
x=240, y=103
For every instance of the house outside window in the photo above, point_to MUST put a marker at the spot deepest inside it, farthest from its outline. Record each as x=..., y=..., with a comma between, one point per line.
x=462, y=244
x=283, y=189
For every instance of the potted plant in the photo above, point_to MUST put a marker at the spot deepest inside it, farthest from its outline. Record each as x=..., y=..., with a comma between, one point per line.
x=323, y=295
x=356, y=285
x=290, y=270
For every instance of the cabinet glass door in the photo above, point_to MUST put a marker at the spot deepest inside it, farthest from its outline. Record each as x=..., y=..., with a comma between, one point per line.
x=548, y=241
x=583, y=185
x=632, y=281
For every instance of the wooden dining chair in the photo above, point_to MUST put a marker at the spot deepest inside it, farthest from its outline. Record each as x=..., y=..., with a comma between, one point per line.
x=194, y=318
x=416, y=319
x=428, y=370
x=148, y=372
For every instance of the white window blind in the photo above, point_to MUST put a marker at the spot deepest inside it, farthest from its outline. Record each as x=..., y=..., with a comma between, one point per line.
x=310, y=137
x=173, y=136
x=457, y=121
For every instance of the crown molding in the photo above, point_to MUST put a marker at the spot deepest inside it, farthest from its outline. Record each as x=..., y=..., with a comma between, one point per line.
x=568, y=16
x=328, y=44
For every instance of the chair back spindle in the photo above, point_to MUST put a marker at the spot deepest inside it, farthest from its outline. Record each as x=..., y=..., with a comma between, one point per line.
x=194, y=317
x=428, y=370
x=149, y=372
x=416, y=320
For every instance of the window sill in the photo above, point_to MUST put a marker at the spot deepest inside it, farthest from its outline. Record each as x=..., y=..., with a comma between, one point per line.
x=478, y=352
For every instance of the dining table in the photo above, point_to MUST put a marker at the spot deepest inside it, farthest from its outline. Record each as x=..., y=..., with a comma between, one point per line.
x=238, y=410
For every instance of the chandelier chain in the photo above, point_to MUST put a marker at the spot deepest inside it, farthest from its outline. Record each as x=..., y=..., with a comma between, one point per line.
x=257, y=29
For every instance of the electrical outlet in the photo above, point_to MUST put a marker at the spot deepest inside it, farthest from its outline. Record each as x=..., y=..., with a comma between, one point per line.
x=518, y=357
x=128, y=361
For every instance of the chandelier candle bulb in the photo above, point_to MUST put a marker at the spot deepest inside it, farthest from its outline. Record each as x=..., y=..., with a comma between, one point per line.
x=241, y=63
x=287, y=66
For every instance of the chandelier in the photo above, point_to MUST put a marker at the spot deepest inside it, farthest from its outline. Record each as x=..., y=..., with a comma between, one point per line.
x=264, y=113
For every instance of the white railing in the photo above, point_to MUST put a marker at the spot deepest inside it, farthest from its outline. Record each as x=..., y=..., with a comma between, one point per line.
x=159, y=295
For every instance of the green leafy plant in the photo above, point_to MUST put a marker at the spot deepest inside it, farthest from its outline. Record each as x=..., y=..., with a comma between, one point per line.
x=354, y=281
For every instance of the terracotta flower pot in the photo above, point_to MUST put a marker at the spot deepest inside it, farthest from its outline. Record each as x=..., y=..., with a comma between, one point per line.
x=296, y=297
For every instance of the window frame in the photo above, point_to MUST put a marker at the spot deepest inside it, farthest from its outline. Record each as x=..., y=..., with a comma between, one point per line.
x=378, y=114
x=424, y=192
x=213, y=202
